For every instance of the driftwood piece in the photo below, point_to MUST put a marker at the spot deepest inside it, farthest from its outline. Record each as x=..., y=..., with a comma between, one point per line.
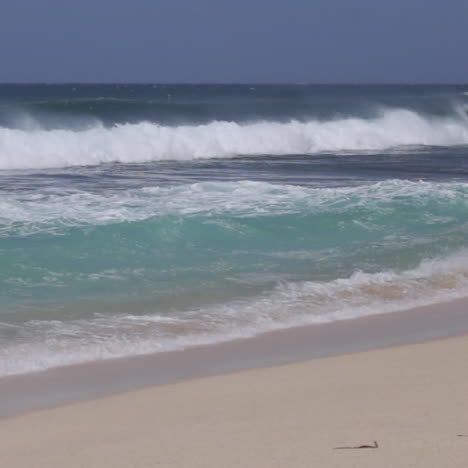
x=462, y=435
x=376, y=445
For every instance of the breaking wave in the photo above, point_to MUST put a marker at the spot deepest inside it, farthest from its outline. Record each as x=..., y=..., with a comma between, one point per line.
x=145, y=141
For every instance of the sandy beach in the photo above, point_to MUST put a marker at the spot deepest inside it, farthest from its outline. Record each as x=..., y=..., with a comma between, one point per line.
x=410, y=399
x=233, y=234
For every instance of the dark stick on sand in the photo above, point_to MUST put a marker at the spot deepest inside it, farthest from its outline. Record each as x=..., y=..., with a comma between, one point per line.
x=376, y=445
x=462, y=435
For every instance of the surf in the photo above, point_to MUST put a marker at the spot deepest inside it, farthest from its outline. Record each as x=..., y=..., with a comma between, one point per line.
x=44, y=344
x=145, y=141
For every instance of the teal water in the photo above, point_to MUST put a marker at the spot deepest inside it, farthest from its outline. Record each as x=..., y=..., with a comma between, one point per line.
x=143, y=219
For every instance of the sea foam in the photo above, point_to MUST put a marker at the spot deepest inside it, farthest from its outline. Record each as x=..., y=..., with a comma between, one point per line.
x=32, y=213
x=144, y=142
x=56, y=343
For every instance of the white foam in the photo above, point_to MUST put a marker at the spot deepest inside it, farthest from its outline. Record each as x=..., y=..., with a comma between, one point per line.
x=56, y=343
x=143, y=142
x=31, y=213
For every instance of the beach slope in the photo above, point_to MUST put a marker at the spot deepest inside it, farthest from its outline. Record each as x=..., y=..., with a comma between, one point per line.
x=411, y=399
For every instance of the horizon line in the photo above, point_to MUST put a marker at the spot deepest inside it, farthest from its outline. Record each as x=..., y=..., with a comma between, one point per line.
x=229, y=83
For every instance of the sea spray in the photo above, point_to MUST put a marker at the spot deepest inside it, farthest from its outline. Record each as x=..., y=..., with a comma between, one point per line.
x=142, y=142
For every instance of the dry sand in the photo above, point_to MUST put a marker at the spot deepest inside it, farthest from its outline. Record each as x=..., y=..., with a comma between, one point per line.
x=412, y=399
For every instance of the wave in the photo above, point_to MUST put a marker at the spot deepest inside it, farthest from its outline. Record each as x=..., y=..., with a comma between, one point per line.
x=51, y=343
x=144, y=142
x=26, y=214
x=216, y=238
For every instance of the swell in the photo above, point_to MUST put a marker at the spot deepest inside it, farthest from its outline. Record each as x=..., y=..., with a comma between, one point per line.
x=145, y=141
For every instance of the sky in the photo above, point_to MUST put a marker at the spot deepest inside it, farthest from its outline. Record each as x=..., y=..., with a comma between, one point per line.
x=243, y=41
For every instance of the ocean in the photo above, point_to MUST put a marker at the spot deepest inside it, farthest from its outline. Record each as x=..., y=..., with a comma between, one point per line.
x=137, y=219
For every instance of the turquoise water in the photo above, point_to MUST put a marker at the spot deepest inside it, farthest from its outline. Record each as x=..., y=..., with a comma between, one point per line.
x=142, y=219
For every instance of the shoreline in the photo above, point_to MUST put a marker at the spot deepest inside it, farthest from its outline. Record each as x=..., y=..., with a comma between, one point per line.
x=89, y=381
x=409, y=399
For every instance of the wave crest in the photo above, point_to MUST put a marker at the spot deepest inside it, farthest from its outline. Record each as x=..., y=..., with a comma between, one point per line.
x=144, y=142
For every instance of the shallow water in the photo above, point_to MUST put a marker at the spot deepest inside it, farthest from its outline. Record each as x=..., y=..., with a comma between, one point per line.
x=136, y=219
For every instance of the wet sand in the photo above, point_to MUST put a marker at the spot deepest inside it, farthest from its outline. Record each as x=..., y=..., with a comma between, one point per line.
x=411, y=399
x=66, y=385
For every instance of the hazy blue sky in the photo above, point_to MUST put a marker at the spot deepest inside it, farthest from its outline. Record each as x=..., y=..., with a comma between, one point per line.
x=234, y=41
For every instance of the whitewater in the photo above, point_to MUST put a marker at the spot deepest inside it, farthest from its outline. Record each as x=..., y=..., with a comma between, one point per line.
x=146, y=141
x=144, y=218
